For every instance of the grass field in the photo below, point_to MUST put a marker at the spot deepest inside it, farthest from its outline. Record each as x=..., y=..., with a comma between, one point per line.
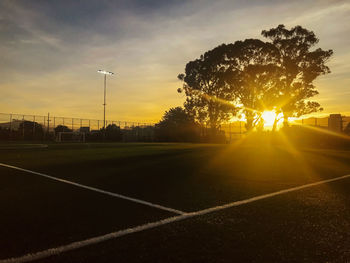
x=176, y=181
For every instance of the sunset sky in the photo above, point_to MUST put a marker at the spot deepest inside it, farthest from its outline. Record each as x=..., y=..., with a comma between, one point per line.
x=50, y=51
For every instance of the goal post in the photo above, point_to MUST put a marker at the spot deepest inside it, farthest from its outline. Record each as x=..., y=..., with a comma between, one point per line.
x=70, y=137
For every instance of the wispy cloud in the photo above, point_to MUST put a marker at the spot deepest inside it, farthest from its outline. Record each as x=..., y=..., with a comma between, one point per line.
x=50, y=50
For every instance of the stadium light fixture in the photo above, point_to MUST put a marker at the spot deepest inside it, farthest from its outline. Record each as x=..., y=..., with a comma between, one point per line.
x=105, y=73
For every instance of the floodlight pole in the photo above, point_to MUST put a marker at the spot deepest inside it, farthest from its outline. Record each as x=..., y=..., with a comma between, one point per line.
x=104, y=104
x=105, y=73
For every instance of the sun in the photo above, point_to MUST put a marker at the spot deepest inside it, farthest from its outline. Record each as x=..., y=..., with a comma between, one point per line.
x=269, y=118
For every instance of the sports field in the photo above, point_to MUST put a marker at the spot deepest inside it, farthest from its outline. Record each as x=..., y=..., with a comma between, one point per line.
x=174, y=203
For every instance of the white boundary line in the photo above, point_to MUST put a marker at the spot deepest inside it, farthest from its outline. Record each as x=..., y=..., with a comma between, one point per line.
x=120, y=233
x=97, y=190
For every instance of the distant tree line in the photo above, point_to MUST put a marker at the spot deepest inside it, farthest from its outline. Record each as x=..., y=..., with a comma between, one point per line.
x=179, y=126
x=33, y=131
x=27, y=130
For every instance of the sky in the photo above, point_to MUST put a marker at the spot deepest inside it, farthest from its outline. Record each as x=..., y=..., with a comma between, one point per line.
x=50, y=51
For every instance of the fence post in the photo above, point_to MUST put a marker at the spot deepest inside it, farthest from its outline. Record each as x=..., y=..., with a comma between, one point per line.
x=54, y=126
x=145, y=131
x=98, y=124
x=33, y=126
x=72, y=124
x=44, y=129
x=48, y=123
x=10, y=122
x=23, y=127
x=81, y=123
x=138, y=131
x=315, y=121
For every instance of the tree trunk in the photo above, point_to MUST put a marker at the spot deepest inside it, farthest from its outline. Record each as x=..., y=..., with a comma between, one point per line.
x=285, y=119
x=274, y=127
x=249, y=125
x=250, y=120
x=213, y=127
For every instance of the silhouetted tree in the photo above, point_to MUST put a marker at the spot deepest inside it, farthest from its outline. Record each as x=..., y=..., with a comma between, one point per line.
x=177, y=126
x=62, y=128
x=299, y=67
x=113, y=133
x=252, y=75
x=208, y=96
x=347, y=129
x=31, y=130
x=4, y=133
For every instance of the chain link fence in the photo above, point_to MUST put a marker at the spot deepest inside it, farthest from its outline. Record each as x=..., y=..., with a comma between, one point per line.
x=34, y=127
x=335, y=122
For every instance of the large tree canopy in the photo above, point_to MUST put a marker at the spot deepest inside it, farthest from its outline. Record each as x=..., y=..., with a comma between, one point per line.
x=252, y=75
x=208, y=97
x=299, y=67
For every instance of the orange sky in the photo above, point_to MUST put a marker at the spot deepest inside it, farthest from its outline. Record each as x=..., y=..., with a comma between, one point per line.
x=49, y=56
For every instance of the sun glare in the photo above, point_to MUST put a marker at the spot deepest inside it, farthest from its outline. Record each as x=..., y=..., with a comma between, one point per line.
x=269, y=118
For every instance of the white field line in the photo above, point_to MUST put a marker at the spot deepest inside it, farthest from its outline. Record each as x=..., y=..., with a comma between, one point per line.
x=97, y=190
x=120, y=233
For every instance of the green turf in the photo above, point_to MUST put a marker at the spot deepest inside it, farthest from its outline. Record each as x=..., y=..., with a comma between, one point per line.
x=37, y=213
x=40, y=213
x=307, y=226
x=182, y=176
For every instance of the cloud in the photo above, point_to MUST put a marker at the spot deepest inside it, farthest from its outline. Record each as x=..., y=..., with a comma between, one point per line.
x=50, y=50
